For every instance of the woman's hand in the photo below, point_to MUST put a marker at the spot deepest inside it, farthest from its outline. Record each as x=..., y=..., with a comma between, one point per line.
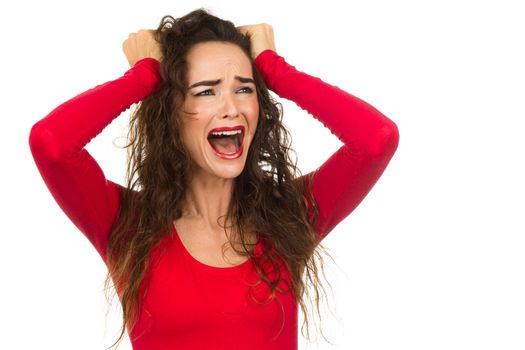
x=140, y=45
x=261, y=37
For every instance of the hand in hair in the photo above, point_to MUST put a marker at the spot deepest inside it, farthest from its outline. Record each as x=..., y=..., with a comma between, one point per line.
x=261, y=37
x=140, y=45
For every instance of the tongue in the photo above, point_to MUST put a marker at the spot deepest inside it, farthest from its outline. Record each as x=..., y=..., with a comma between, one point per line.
x=224, y=145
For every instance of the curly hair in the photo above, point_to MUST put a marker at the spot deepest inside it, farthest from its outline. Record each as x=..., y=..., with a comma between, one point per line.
x=269, y=193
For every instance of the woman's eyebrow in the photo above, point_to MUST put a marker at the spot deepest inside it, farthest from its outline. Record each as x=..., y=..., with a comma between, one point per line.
x=216, y=82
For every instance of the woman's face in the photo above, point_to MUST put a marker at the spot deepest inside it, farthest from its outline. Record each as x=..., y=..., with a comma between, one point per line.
x=220, y=110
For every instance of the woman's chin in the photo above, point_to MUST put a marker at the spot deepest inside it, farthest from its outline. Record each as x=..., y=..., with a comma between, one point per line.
x=229, y=171
x=227, y=166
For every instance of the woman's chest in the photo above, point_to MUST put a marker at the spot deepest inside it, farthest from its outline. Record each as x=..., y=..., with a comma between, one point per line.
x=187, y=299
x=213, y=247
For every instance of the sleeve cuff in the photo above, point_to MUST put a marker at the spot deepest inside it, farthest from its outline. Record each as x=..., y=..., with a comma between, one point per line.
x=147, y=72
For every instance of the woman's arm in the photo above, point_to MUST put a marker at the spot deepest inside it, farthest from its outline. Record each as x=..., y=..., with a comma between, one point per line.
x=57, y=143
x=370, y=139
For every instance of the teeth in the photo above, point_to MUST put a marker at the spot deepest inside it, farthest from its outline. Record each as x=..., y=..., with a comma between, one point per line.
x=226, y=133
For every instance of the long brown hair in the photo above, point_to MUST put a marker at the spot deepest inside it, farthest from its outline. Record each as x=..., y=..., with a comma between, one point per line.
x=266, y=195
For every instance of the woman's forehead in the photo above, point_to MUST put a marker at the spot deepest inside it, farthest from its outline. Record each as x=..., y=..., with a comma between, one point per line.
x=211, y=60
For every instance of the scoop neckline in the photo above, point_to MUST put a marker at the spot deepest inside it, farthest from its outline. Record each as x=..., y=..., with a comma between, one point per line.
x=210, y=268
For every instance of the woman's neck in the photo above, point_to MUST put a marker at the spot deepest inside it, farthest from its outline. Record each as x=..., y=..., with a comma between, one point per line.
x=208, y=199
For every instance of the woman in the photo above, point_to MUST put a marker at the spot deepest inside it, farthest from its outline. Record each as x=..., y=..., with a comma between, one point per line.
x=208, y=242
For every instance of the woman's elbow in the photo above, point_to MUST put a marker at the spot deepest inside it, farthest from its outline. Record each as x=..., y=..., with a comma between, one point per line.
x=387, y=140
x=41, y=144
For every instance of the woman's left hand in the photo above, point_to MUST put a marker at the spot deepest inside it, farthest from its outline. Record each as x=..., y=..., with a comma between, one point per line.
x=261, y=37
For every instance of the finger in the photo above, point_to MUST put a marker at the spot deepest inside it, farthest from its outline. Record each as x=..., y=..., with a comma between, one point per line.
x=243, y=29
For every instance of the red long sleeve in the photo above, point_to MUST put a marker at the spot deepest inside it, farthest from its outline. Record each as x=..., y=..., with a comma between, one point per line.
x=57, y=143
x=191, y=305
x=370, y=139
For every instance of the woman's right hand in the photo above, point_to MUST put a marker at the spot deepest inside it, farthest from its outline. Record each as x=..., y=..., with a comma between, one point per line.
x=140, y=45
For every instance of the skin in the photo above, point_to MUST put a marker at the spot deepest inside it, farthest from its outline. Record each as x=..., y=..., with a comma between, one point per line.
x=227, y=104
x=261, y=37
x=230, y=103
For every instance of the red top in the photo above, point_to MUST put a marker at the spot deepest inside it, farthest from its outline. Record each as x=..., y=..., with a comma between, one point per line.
x=191, y=305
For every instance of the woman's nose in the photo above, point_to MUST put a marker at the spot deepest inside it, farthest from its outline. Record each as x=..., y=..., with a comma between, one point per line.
x=229, y=106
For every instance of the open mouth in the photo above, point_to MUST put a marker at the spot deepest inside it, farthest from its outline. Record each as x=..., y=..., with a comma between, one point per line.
x=227, y=142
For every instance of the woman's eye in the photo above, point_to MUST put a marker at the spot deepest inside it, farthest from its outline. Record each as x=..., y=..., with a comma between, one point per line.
x=204, y=93
x=209, y=92
x=247, y=89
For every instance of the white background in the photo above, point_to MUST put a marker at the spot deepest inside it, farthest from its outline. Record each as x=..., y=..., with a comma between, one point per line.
x=433, y=258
